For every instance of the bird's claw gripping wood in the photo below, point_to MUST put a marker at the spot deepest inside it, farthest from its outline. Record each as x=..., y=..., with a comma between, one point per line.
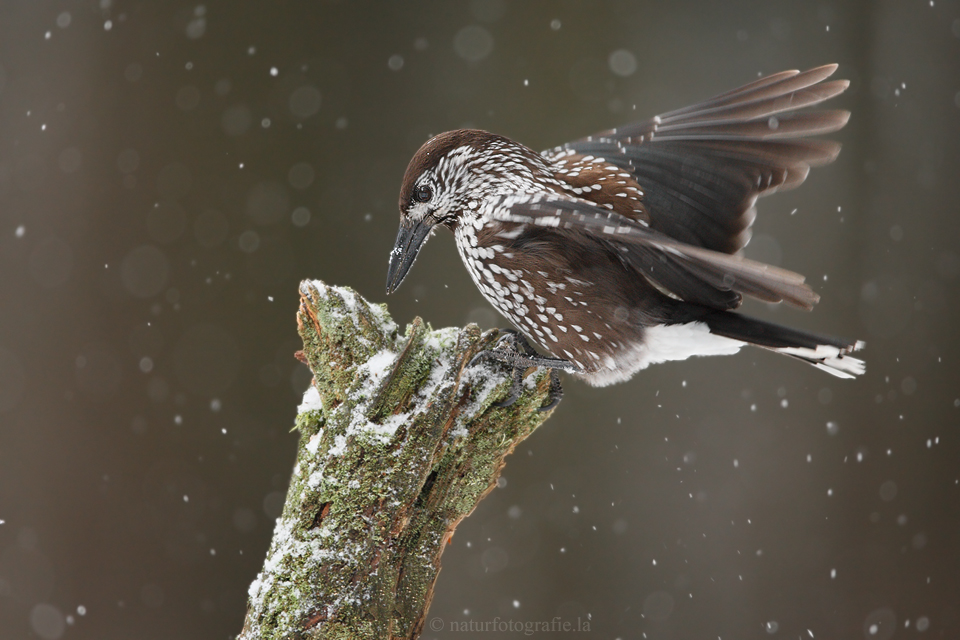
x=513, y=349
x=516, y=389
x=556, y=392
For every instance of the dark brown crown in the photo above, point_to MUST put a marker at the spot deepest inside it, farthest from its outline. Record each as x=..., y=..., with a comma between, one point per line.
x=437, y=147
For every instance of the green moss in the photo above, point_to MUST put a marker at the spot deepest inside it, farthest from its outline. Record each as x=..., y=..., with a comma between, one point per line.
x=308, y=423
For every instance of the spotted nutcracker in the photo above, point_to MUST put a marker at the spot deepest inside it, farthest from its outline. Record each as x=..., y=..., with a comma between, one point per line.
x=618, y=250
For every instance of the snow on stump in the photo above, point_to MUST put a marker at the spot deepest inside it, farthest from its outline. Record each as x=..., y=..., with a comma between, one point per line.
x=399, y=441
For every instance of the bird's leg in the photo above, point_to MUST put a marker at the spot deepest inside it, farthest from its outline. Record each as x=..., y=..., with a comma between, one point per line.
x=520, y=355
x=556, y=388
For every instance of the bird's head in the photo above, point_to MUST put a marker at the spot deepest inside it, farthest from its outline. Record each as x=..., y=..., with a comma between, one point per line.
x=445, y=181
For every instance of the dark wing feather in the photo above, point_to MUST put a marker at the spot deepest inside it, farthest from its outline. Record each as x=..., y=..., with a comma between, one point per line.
x=685, y=199
x=702, y=167
x=688, y=272
x=765, y=127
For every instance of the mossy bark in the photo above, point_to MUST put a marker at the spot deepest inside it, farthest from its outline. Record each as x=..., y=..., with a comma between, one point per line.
x=399, y=441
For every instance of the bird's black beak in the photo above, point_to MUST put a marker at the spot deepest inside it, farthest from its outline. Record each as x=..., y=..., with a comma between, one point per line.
x=411, y=237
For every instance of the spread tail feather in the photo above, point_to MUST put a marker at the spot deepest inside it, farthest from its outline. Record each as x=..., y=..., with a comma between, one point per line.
x=828, y=353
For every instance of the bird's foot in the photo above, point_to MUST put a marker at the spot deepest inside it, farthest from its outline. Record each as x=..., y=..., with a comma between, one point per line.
x=514, y=350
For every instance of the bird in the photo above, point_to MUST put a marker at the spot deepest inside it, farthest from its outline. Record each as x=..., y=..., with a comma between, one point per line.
x=621, y=249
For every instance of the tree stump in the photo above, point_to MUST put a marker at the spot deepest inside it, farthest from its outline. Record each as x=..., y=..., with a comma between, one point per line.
x=399, y=441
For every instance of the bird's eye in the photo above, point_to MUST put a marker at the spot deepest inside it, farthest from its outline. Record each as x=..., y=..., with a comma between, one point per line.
x=422, y=193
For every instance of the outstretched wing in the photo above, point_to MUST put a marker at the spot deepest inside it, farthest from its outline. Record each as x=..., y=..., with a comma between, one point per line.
x=701, y=168
x=685, y=271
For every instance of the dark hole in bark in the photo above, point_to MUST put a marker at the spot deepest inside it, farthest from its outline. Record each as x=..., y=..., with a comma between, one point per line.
x=425, y=491
x=321, y=514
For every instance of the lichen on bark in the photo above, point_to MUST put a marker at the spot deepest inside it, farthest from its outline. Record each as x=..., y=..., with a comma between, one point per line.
x=399, y=441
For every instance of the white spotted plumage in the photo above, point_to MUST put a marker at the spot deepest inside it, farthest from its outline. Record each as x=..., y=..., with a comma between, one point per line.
x=616, y=251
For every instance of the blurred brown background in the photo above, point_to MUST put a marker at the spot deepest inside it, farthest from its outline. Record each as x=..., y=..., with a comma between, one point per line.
x=169, y=171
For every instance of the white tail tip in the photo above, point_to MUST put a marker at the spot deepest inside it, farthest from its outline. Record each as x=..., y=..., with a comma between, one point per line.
x=833, y=360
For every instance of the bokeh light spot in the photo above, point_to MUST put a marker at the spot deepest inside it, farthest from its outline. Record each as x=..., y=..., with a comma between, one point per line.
x=304, y=101
x=249, y=241
x=473, y=43
x=622, y=62
x=46, y=620
x=144, y=271
x=236, y=120
x=267, y=202
x=196, y=28
x=301, y=175
x=494, y=559
x=879, y=624
x=273, y=504
x=658, y=605
x=300, y=217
